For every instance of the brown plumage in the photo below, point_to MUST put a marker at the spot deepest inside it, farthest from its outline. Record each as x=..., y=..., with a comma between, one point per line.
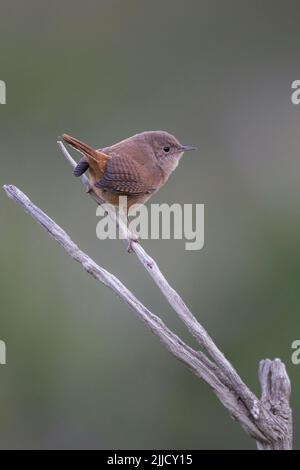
x=136, y=167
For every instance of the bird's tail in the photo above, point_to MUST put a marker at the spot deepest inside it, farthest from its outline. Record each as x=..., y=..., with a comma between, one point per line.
x=88, y=151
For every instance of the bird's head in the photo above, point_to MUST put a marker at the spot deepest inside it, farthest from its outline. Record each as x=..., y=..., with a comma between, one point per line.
x=166, y=148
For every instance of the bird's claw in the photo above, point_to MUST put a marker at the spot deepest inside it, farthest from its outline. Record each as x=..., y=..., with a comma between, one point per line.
x=130, y=244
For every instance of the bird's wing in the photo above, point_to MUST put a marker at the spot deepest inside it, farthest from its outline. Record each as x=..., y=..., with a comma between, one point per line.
x=124, y=176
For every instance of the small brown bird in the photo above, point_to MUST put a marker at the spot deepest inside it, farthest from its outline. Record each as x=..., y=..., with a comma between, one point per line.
x=136, y=167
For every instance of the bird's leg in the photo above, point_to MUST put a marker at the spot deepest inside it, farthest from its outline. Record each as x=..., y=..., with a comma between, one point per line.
x=132, y=237
x=124, y=217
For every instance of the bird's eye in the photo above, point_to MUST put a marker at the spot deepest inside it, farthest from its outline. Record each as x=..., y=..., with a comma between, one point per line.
x=167, y=149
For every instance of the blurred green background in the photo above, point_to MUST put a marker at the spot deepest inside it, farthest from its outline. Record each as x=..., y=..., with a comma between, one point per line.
x=82, y=371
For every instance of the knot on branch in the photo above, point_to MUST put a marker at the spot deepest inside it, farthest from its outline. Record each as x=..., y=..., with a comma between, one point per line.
x=276, y=390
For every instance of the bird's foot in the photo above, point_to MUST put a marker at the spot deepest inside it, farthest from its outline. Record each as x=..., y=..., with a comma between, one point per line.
x=130, y=244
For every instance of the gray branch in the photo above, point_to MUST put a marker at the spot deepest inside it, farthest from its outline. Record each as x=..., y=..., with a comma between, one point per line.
x=276, y=390
x=267, y=420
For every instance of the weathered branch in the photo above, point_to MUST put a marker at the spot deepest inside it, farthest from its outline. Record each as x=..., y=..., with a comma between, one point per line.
x=276, y=390
x=268, y=420
x=224, y=369
x=176, y=302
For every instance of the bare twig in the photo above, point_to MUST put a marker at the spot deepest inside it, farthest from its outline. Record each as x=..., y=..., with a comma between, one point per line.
x=271, y=429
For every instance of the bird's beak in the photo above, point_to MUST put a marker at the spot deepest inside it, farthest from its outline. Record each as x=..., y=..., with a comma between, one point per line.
x=187, y=148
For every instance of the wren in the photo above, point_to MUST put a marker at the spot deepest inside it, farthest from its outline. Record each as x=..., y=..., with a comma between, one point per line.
x=136, y=167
